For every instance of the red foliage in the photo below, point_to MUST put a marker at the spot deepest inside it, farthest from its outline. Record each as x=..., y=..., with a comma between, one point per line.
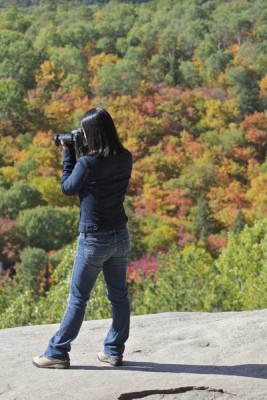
x=10, y=242
x=181, y=205
x=257, y=137
x=170, y=149
x=236, y=197
x=149, y=108
x=140, y=269
x=241, y=154
x=257, y=121
x=184, y=238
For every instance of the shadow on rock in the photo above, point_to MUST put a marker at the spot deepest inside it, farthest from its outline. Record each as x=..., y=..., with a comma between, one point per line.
x=249, y=370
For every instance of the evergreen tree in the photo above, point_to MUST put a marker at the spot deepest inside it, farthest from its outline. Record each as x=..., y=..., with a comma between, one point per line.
x=203, y=223
x=239, y=222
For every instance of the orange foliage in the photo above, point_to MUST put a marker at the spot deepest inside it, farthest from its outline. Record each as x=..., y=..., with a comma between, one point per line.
x=234, y=49
x=216, y=243
x=43, y=139
x=242, y=153
x=177, y=203
x=190, y=146
x=255, y=127
x=226, y=202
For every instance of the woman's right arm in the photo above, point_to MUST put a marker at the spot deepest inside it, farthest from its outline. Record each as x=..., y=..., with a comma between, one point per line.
x=73, y=174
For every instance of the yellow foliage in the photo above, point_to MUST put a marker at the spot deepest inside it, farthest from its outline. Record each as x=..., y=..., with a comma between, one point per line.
x=10, y=174
x=222, y=80
x=43, y=139
x=218, y=113
x=198, y=63
x=94, y=65
x=257, y=194
x=96, y=62
x=58, y=110
x=263, y=86
x=46, y=155
x=50, y=189
x=158, y=233
x=9, y=148
x=133, y=145
x=48, y=73
x=253, y=168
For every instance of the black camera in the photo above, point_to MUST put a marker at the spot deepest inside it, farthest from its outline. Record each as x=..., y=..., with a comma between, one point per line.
x=73, y=139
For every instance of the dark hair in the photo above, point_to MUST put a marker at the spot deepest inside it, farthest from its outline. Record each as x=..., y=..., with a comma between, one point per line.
x=101, y=133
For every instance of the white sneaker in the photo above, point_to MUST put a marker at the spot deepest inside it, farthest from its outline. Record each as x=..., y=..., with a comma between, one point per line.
x=43, y=362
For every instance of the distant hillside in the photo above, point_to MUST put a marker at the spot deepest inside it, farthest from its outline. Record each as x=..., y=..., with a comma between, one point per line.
x=69, y=3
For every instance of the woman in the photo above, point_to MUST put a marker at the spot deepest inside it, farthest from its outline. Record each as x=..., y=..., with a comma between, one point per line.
x=100, y=178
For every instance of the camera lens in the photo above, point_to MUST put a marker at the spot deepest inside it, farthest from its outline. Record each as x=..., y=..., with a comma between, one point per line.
x=67, y=138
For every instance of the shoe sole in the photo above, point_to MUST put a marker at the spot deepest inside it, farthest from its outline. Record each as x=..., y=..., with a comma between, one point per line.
x=52, y=366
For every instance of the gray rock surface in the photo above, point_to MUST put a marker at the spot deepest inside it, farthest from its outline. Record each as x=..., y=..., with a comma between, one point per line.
x=170, y=356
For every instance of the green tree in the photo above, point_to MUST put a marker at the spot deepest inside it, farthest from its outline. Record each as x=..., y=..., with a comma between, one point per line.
x=12, y=106
x=48, y=228
x=114, y=21
x=182, y=283
x=241, y=271
x=19, y=61
x=188, y=74
x=123, y=77
x=232, y=23
x=244, y=85
x=239, y=222
x=70, y=63
x=31, y=271
x=216, y=63
x=159, y=233
x=203, y=221
x=19, y=197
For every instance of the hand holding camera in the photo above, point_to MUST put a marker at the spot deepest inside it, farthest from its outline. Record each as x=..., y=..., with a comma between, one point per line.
x=75, y=139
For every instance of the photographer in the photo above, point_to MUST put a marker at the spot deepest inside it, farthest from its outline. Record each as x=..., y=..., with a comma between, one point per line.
x=100, y=177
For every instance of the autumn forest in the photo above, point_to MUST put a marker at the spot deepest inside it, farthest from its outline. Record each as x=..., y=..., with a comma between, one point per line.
x=186, y=83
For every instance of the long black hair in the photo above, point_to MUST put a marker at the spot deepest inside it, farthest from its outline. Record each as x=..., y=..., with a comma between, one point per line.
x=101, y=133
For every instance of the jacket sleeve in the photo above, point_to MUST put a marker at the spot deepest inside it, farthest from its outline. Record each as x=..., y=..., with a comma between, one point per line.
x=73, y=174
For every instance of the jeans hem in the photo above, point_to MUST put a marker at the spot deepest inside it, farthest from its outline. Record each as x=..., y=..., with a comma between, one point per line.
x=113, y=357
x=56, y=358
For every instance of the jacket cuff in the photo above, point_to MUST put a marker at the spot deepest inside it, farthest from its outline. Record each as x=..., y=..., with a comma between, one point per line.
x=69, y=155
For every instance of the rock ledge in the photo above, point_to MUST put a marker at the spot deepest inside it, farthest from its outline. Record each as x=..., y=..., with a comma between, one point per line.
x=172, y=356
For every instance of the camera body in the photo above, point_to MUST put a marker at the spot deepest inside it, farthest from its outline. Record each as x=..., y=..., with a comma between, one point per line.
x=73, y=139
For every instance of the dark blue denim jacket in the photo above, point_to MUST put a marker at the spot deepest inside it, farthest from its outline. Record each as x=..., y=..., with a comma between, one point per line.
x=101, y=184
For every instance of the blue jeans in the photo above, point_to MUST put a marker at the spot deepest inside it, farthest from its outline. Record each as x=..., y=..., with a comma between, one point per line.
x=97, y=251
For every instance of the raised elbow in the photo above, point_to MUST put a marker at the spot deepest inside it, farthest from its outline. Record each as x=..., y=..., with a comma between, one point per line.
x=67, y=191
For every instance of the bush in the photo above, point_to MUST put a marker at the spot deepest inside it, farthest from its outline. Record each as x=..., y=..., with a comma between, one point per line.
x=182, y=283
x=242, y=271
x=29, y=309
